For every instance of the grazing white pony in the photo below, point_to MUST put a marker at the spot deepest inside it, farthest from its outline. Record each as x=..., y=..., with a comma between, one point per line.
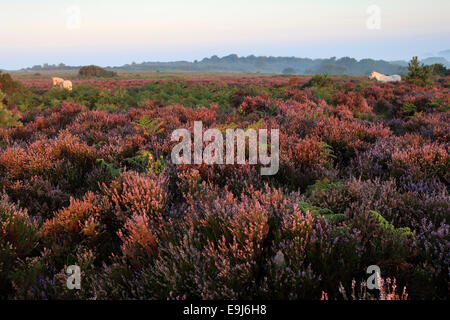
x=384, y=78
x=57, y=81
x=66, y=84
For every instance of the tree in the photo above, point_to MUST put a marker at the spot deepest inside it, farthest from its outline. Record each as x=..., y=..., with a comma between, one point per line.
x=95, y=71
x=418, y=72
x=440, y=70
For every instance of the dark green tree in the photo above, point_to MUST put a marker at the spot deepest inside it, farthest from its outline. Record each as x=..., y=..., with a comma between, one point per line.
x=418, y=72
x=95, y=71
x=440, y=70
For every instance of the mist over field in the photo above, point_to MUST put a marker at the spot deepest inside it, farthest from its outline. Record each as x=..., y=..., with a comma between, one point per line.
x=252, y=64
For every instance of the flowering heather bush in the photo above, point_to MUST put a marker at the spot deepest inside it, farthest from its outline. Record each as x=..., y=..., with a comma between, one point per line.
x=355, y=102
x=250, y=104
x=408, y=157
x=388, y=291
x=139, y=241
x=18, y=238
x=87, y=179
x=82, y=222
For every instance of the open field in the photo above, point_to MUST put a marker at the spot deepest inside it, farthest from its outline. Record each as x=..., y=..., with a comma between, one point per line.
x=86, y=178
x=42, y=81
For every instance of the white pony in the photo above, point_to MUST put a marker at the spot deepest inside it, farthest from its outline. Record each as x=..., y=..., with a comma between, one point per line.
x=384, y=78
x=57, y=81
x=66, y=84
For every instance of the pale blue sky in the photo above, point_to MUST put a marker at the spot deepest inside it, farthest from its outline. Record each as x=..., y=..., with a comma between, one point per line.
x=115, y=32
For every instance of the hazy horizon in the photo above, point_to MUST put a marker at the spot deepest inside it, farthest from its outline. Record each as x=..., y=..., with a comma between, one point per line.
x=109, y=33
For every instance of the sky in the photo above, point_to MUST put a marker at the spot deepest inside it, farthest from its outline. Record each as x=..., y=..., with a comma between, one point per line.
x=116, y=32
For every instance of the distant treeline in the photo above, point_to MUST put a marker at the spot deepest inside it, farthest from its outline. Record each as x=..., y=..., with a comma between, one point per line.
x=52, y=67
x=286, y=65
x=262, y=64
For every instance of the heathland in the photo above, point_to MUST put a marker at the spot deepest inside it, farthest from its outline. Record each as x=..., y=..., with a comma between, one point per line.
x=86, y=179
